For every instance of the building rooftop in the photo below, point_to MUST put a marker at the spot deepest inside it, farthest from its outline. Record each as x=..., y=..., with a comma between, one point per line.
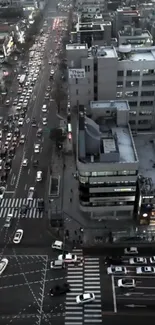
x=134, y=33
x=102, y=137
x=104, y=51
x=145, y=146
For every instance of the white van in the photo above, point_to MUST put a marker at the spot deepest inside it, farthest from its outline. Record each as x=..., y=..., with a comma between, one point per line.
x=57, y=245
x=39, y=176
x=57, y=264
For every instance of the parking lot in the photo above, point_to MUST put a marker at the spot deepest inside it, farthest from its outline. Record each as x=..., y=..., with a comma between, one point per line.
x=138, y=298
x=22, y=285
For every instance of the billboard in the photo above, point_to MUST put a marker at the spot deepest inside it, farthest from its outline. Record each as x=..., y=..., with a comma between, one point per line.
x=76, y=73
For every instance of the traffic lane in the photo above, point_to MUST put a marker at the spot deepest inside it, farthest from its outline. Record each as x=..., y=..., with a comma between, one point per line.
x=106, y=291
x=15, y=169
x=142, y=296
x=29, y=319
x=14, y=299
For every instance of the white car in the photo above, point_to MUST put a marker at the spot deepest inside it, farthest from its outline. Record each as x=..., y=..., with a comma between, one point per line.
x=25, y=162
x=126, y=283
x=36, y=148
x=2, y=191
x=44, y=108
x=3, y=265
x=131, y=251
x=39, y=176
x=85, y=298
x=68, y=258
x=152, y=259
x=138, y=260
x=116, y=270
x=9, y=137
x=44, y=120
x=1, y=164
x=20, y=121
x=18, y=236
x=57, y=245
x=145, y=270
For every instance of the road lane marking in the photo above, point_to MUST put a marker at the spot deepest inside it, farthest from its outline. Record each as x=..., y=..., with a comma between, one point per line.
x=114, y=294
x=13, y=178
x=25, y=188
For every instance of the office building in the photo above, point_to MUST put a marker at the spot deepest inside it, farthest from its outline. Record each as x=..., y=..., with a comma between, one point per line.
x=126, y=16
x=135, y=36
x=107, y=161
x=95, y=32
x=108, y=73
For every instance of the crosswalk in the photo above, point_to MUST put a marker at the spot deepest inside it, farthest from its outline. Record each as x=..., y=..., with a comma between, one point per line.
x=13, y=206
x=83, y=277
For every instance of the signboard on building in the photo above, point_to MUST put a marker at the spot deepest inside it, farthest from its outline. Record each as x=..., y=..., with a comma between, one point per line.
x=76, y=73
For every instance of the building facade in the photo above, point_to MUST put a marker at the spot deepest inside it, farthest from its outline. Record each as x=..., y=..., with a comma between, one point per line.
x=108, y=73
x=107, y=161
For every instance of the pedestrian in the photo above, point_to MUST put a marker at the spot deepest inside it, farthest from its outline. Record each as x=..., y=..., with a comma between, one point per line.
x=70, y=200
x=75, y=232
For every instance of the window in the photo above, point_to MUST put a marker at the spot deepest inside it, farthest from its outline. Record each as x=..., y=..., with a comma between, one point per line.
x=95, y=90
x=132, y=84
x=132, y=112
x=133, y=73
x=147, y=93
x=133, y=104
x=119, y=84
x=146, y=103
x=120, y=73
x=87, y=68
x=77, y=91
x=95, y=79
x=131, y=93
x=119, y=94
x=145, y=113
x=129, y=72
x=148, y=72
x=148, y=83
x=95, y=66
x=76, y=80
x=142, y=122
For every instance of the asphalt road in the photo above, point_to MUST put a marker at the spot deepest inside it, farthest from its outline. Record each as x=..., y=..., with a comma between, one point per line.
x=21, y=179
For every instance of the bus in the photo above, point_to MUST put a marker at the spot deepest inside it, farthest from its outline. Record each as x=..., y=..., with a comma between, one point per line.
x=22, y=79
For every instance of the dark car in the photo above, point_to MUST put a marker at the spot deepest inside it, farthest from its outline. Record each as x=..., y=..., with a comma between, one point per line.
x=39, y=133
x=22, y=114
x=110, y=260
x=34, y=123
x=17, y=132
x=12, y=151
x=16, y=116
x=8, y=164
x=4, y=177
x=59, y=289
x=10, y=118
x=6, y=126
x=3, y=153
x=24, y=209
x=40, y=204
x=35, y=163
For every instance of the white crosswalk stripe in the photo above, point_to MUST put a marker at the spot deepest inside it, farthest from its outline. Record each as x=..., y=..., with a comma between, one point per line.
x=84, y=277
x=14, y=205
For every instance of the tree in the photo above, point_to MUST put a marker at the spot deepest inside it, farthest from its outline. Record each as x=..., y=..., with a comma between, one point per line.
x=58, y=94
